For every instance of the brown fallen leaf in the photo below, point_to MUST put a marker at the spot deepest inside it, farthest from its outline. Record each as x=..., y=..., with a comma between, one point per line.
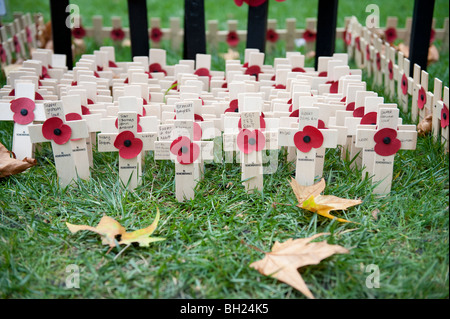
x=285, y=258
x=424, y=126
x=433, y=53
x=10, y=165
x=309, y=198
x=108, y=228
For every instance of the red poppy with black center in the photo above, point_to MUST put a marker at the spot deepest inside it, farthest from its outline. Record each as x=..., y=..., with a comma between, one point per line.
x=2, y=53
x=272, y=35
x=391, y=70
x=369, y=119
x=156, y=34
x=16, y=44
x=55, y=129
x=386, y=142
x=186, y=151
x=309, y=36
x=390, y=34
x=232, y=39
x=422, y=98
x=156, y=67
x=378, y=61
x=79, y=33
x=249, y=141
x=368, y=52
x=28, y=33
x=23, y=109
x=444, y=116
x=334, y=86
x=117, y=34
x=203, y=72
x=253, y=70
x=358, y=43
x=128, y=145
x=308, y=139
x=233, y=106
x=404, y=84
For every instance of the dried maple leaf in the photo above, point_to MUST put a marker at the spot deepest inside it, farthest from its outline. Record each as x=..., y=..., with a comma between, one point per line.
x=285, y=258
x=309, y=198
x=11, y=166
x=108, y=228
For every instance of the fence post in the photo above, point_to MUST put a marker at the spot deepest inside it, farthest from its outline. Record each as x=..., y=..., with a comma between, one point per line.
x=420, y=33
x=257, y=26
x=137, y=19
x=62, y=35
x=326, y=28
x=194, y=28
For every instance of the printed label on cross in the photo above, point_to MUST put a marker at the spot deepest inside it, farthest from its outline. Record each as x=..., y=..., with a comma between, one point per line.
x=307, y=139
x=23, y=110
x=386, y=140
x=59, y=132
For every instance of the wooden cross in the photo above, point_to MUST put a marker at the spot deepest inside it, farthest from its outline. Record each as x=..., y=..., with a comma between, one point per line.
x=59, y=132
x=443, y=106
x=403, y=82
x=420, y=88
x=23, y=111
x=129, y=143
x=386, y=140
x=307, y=139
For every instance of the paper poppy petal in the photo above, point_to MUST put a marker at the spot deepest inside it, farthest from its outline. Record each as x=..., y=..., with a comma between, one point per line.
x=321, y=125
x=111, y=64
x=350, y=106
x=298, y=69
x=391, y=70
x=133, y=150
x=369, y=118
x=20, y=106
x=389, y=147
x=49, y=127
x=334, y=86
x=315, y=139
x=404, y=84
x=323, y=74
x=254, y=70
x=64, y=137
x=359, y=112
x=245, y=136
x=444, y=117
x=202, y=72
x=122, y=137
x=421, y=98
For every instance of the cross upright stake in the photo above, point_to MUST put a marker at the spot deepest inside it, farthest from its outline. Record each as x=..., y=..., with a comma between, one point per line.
x=59, y=132
x=386, y=140
x=23, y=110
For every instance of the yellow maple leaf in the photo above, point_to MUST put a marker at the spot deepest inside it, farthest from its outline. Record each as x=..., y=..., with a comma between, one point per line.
x=108, y=228
x=285, y=258
x=309, y=198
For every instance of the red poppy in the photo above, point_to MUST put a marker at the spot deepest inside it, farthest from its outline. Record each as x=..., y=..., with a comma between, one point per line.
x=391, y=70
x=298, y=69
x=272, y=35
x=117, y=34
x=203, y=72
x=344, y=99
x=99, y=68
x=444, y=116
x=347, y=37
x=112, y=64
x=368, y=52
x=37, y=96
x=280, y=87
x=156, y=67
x=55, y=129
x=350, y=106
x=249, y=141
x=23, y=109
x=74, y=83
x=225, y=85
x=358, y=43
x=432, y=35
x=79, y=33
x=386, y=142
x=89, y=101
x=321, y=125
x=323, y=74
x=254, y=70
x=156, y=34
x=307, y=139
x=390, y=35
x=359, y=112
x=128, y=145
x=334, y=86
x=2, y=53
x=232, y=39
x=16, y=44
x=422, y=98
x=233, y=106
x=378, y=61
x=245, y=65
x=369, y=119
x=44, y=74
x=186, y=151
x=404, y=84
x=309, y=36
x=28, y=33
x=174, y=85
x=85, y=110
x=73, y=117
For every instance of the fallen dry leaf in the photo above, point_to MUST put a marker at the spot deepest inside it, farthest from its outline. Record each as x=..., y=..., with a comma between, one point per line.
x=309, y=198
x=108, y=228
x=424, y=126
x=285, y=258
x=433, y=53
x=10, y=165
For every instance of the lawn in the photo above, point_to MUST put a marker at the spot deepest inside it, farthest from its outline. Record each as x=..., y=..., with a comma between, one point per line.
x=207, y=251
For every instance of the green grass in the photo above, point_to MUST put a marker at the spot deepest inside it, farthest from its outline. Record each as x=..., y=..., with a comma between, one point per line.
x=205, y=254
